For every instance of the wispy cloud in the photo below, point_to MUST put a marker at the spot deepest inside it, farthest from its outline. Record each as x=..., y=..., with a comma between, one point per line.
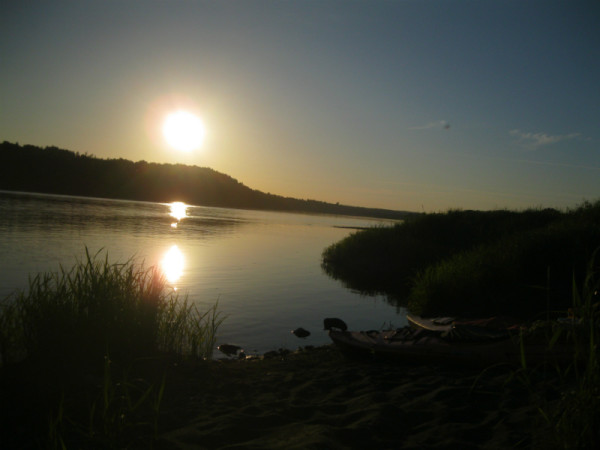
x=536, y=140
x=430, y=125
x=555, y=164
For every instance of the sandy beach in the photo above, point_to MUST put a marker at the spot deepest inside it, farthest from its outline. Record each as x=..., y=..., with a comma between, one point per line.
x=318, y=398
x=315, y=398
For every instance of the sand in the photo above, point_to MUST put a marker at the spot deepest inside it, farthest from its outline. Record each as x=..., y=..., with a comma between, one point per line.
x=319, y=399
x=310, y=399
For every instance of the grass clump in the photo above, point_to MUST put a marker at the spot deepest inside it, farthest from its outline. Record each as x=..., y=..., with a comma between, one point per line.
x=576, y=416
x=471, y=262
x=98, y=307
x=386, y=259
x=81, y=350
x=571, y=414
x=521, y=275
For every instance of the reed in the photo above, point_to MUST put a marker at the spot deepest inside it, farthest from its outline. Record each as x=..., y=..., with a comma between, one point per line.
x=471, y=262
x=87, y=349
x=575, y=417
x=386, y=259
x=123, y=413
x=98, y=306
x=184, y=330
x=567, y=395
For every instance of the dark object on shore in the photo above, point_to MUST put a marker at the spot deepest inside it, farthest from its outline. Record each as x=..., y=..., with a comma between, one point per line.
x=420, y=345
x=332, y=322
x=301, y=332
x=229, y=349
x=486, y=325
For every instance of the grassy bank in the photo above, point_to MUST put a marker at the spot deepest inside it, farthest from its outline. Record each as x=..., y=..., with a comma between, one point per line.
x=79, y=350
x=535, y=264
x=574, y=421
x=472, y=262
x=571, y=415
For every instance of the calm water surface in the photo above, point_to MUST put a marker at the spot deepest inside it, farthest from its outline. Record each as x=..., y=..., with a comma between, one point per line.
x=262, y=267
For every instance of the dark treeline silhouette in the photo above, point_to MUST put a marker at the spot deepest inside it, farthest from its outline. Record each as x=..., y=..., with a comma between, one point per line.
x=52, y=170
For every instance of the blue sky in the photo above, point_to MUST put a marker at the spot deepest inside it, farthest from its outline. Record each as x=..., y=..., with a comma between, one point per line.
x=409, y=105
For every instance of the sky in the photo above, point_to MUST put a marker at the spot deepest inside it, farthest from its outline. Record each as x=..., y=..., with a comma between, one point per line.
x=407, y=105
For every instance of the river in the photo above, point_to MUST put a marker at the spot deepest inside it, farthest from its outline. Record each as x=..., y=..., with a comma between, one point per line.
x=262, y=267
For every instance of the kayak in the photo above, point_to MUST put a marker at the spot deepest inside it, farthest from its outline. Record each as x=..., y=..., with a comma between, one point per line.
x=441, y=324
x=420, y=345
x=433, y=324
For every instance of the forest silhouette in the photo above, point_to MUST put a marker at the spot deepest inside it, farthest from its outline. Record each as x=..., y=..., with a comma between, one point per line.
x=52, y=170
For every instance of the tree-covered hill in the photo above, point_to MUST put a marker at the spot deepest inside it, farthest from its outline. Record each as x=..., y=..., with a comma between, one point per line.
x=52, y=170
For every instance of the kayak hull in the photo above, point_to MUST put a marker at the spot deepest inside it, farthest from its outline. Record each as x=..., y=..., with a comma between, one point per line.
x=432, y=324
x=429, y=348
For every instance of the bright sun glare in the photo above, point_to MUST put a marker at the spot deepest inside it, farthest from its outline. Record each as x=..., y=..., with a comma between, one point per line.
x=172, y=264
x=178, y=210
x=183, y=131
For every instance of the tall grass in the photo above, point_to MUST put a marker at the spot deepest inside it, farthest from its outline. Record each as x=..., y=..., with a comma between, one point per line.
x=386, y=259
x=98, y=307
x=509, y=276
x=471, y=262
x=82, y=353
x=184, y=330
x=123, y=413
x=575, y=418
x=567, y=395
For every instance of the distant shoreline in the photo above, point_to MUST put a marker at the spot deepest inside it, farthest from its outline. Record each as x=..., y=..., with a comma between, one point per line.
x=66, y=196
x=56, y=171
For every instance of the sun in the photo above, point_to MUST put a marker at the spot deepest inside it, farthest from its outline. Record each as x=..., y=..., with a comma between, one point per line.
x=183, y=131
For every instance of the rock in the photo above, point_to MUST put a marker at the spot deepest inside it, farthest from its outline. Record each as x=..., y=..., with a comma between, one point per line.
x=301, y=332
x=229, y=349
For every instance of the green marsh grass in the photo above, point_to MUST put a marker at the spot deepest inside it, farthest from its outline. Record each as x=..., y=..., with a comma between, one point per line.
x=387, y=259
x=471, y=262
x=575, y=418
x=83, y=349
x=98, y=306
x=508, y=277
x=566, y=394
x=530, y=265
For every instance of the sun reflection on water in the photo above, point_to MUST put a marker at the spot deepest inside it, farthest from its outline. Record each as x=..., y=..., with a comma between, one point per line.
x=172, y=264
x=178, y=212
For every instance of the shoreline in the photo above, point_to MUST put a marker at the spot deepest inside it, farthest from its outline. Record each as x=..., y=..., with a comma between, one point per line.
x=309, y=398
x=319, y=398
